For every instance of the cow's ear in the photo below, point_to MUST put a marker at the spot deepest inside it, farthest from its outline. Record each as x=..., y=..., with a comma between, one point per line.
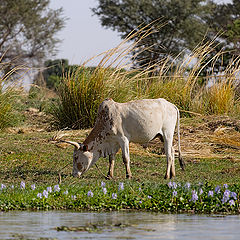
x=85, y=148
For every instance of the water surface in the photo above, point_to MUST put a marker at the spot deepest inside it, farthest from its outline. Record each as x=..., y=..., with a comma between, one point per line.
x=117, y=225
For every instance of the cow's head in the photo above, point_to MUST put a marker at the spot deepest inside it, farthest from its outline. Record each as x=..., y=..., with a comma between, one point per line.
x=82, y=158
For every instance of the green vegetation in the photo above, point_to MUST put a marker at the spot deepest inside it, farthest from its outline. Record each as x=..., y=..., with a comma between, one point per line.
x=174, y=197
x=36, y=170
x=81, y=91
x=29, y=157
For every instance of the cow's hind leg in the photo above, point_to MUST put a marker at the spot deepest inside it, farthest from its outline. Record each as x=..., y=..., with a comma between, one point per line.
x=168, y=140
x=172, y=170
x=111, y=166
x=126, y=156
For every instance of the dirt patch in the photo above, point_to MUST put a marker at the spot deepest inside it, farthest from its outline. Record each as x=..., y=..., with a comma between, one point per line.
x=201, y=137
x=208, y=137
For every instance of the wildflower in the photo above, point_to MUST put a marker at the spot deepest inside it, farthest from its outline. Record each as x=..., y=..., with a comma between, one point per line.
x=66, y=192
x=56, y=188
x=233, y=195
x=232, y=203
x=90, y=193
x=114, y=196
x=49, y=189
x=45, y=193
x=225, y=185
x=22, y=185
x=210, y=194
x=121, y=186
x=188, y=185
x=200, y=191
x=12, y=187
x=149, y=197
x=74, y=197
x=174, y=193
x=104, y=190
x=226, y=193
x=194, y=196
x=140, y=189
x=226, y=196
x=33, y=187
x=140, y=202
x=217, y=189
x=3, y=186
x=103, y=184
x=39, y=195
x=170, y=184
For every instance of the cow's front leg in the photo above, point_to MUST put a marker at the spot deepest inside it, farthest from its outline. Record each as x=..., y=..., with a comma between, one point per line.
x=126, y=157
x=111, y=166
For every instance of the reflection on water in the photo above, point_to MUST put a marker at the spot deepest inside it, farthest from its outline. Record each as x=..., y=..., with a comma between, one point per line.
x=135, y=225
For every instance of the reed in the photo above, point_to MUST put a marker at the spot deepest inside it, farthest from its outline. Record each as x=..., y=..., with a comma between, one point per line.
x=178, y=80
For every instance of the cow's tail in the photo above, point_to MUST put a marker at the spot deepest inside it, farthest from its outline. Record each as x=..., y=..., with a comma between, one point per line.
x=181, y=161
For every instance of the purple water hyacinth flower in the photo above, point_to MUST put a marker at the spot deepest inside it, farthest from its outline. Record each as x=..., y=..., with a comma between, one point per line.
x=225, y=185
x=39, y=195
x=217, y=189
x=103, y=184
x=232, y=203
x=114, y=196
x=104, y=190
x=226, y=196
x=74, y=197
x=3, y=186
x=210, y=194
x=121, y=186
x=22, y=185
x=188, y=185
x=49, y=189
x=174, y=185
x=56, y=188
x=233, y=195
x=194, y=196
x=45, y=193
x=90, y=193
x=226, y=193
x=33, y=186
x=174, y=193
x=200, y=191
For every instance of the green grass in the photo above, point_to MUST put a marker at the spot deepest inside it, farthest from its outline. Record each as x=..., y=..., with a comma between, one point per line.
x=31, y=158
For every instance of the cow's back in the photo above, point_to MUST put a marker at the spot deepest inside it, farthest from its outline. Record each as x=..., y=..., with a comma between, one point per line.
x=142, y=120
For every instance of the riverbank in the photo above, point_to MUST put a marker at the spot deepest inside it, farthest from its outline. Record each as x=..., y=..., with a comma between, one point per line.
x=210, y=147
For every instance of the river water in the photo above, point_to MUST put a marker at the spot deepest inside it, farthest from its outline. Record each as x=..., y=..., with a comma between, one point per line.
x=116, y=225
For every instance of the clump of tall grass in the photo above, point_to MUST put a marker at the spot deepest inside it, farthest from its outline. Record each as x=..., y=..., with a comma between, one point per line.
x=8, y=94
x=81, y=92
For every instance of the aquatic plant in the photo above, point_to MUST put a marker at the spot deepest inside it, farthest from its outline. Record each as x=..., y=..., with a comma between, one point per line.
x=170, y=197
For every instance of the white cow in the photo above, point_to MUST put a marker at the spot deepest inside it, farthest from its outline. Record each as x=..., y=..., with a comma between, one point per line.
x=118, y=124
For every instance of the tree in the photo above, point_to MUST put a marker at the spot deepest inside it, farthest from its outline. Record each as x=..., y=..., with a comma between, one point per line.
x=184, y=29
x=27, y=31
x=224, y=22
